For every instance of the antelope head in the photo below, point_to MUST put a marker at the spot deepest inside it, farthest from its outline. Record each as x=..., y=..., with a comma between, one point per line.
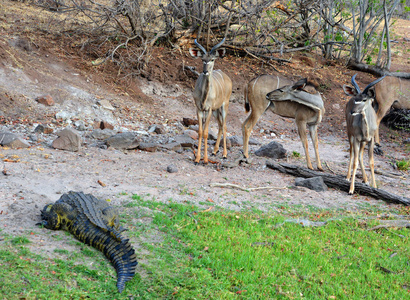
x=361, y=100
x=208, y=58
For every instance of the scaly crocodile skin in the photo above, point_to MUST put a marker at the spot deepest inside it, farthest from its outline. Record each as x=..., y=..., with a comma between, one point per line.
x=95, y=223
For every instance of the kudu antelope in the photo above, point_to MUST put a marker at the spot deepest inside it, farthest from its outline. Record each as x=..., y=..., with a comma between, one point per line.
x=212, y=91
x=287, y=100
x=390, y=92
x=361, y=122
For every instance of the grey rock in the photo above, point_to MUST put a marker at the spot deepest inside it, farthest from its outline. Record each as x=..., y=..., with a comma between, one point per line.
x=33, y=137
x=314, y=183
x=185, y=141
x=63, y=115
x=101, y=134
x=159, y=129
x=106, y=104
x=253, y=141
x=172, y=169
x=149, y=147
x=236, y=140
x=39, y=128
x=68, y=139
x=79, y=125
x=272, y=150
x=174, y=146
x=211, y=134
x=191, y=133
x=12, y=140
x=123, y=140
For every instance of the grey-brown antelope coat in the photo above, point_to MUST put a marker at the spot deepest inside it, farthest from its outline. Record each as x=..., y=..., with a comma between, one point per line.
x=390, y=92
x=361, y=123
x=287, y=100
x=211, y=94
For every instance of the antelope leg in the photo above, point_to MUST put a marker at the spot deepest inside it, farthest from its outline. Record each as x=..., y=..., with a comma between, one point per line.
x=355, y=162
x=351, y=155
x=315, y=141
x=371, y=163
x=208, y=115
x=200, y=133
x=303, y=137
x=361, y=150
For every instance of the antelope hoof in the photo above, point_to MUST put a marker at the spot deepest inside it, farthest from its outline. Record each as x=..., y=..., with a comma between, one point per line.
x=320, y=168
x=351, y=192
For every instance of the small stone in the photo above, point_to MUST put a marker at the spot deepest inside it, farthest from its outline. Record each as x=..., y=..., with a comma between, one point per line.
x=272, y=150
x=148, y=147
x=191, y=133
x=106, y=104
x=185, y=141
x=173, y=147
x=172, y=169
x=79, y=125
x=236, y=140
x=100, y=134
x=63, y=115
x=188, y=122
x=158, y=129
x=46, y=100
x=314, y=183
x=68, y=139
x=123, y=140
x=39, y=128
x=12, y=140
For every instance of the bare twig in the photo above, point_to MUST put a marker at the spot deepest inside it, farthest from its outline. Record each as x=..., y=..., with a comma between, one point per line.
x=246, y=189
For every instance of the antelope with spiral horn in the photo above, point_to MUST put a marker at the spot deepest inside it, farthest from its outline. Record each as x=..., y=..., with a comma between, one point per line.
x=212, y=91
x=361, y=122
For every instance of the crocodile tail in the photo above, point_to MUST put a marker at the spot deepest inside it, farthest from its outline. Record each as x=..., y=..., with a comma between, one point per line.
x=121, y=254
x=125, y=262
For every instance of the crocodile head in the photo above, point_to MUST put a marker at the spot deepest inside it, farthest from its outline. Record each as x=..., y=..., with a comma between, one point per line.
x=49, y=218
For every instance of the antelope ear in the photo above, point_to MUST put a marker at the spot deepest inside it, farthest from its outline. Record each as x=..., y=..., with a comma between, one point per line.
x=195, y=52
x=371, y=93
x=220, y=52
x=300, y=84
x=350, y=91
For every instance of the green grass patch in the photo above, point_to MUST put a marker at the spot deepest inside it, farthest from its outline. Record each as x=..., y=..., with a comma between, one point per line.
x=403, y=165
x=186, y=252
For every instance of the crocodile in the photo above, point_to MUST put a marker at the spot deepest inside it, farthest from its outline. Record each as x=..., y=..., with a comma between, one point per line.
x=93, y=222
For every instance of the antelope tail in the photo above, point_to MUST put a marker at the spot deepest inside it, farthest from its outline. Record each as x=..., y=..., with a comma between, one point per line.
x=247, y=106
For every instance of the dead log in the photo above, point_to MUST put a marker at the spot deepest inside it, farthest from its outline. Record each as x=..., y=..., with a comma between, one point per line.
x=374, y=70
x=339, y=182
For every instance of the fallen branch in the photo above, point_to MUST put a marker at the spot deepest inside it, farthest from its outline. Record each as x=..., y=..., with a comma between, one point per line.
x=338, y=181
x=374, y=70
x=246, y=189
